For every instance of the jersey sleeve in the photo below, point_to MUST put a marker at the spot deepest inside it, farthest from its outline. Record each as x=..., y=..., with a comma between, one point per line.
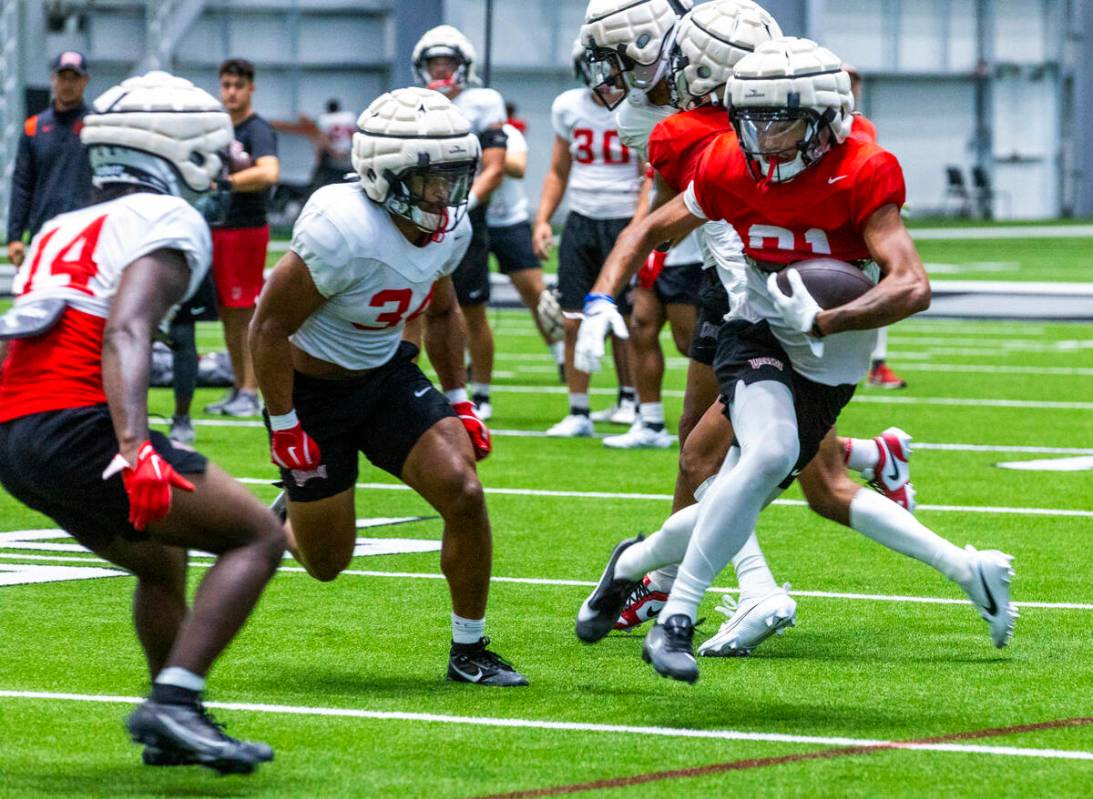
x=879, y=182
x=516, y=142
x=661, y=154
x=461, y=247
x=180, y=228
x=693, y=204
x=320, y=245
x=493, y=108
x=560, y=118
x=263, y=140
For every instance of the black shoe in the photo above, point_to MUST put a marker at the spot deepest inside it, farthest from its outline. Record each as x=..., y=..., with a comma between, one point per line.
x=601, y=610
x=474, y=663
x=669, y=647
x=188, y=735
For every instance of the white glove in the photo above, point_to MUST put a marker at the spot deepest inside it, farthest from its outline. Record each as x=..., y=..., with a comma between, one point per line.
x=600, y=318
x=798, y=311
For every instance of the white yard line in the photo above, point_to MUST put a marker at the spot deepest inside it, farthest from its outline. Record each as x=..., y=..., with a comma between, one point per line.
x=573, y=726
x=1002, y=232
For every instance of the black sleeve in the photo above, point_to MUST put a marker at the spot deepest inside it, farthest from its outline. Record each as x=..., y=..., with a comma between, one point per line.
x=22, y=190
x=263, y=140
x=493, y=137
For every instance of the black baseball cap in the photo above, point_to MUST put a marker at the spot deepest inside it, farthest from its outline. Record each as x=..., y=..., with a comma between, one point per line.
x=70, y=59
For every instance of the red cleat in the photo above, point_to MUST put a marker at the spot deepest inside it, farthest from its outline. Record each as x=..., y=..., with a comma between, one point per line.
x=892, y=474
x=883, y=377
x=643, y=605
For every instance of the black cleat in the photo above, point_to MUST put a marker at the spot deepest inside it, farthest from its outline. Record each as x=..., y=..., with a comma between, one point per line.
x=178, y=735
x=475, y=664
x=601, y=610
x=669, y=648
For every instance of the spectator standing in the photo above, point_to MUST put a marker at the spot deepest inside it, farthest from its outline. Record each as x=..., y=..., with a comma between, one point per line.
x=336, y=128
x=52, y=174
x=240, y=243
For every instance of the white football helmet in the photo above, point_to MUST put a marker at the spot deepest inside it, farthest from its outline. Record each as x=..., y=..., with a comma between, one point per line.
x=416, y=156
x=628, y=41
x=164, y=134
x=446, y=41
x=579, y=57
x=708, y=42
x=788, y=100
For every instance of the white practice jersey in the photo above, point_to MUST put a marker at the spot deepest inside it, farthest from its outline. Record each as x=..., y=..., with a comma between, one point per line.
x=80, y=256
x=373, y=279
x=483, y=108
x=636, y=119
x=338, y=127
x=605, y=175
x=509, y=205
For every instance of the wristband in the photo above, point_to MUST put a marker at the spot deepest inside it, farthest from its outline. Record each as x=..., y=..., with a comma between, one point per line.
x=283, y=421
x=455, y=395
x=593, y=297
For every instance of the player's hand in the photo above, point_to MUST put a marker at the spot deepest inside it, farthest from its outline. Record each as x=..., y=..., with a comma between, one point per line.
x=542, y=240
x=475, y=427
x=600, y=318
x=17, y=251
x=148, y=485
x=650, y=270
x=799, y=310
x=290, y=446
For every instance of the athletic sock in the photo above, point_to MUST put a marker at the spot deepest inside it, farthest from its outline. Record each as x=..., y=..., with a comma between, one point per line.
x=558, y=348
x=752, y=573
x=652, y=415
x=578, y=404
x=662, y=579
x=480, y=392
x=860, y=453
x=892, y=526
x=467, y=631
x=664, y=547
x=627, y=394
x=177, y=686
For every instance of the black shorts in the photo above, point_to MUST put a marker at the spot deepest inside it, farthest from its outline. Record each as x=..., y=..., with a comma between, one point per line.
x=201, y=307
x=585, y=245
x=713, y=305
x=381, y=414
x=749, y=352
x=53, y=462
x=511, y=245
x=472, y=277
x=679, y=285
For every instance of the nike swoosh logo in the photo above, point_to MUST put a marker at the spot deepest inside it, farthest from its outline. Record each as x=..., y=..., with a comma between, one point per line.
x=992, y=608
x=468, y=677
x=421, y=393
x=836, y=179
x=894, y=476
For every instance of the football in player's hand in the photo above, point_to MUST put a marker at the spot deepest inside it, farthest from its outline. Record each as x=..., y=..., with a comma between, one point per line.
x=830, y=282
x=238, y=158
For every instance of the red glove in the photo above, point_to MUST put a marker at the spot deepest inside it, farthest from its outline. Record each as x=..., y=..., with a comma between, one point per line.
x=292, y=448
x=476, y=428
x=650, y=270
x=148, y=485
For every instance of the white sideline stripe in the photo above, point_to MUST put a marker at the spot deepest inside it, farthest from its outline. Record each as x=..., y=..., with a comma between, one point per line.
x=539, y=492
x=575, y=726
x=546, y=581
x=1007, y=232
x=1068, y=371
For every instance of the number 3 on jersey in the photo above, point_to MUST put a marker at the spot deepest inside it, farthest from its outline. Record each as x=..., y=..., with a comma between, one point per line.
x=76, y=260
x=612, y=149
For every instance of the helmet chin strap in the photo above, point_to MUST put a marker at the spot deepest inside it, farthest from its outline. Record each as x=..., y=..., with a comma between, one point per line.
x=437, y=235
x=764, y=184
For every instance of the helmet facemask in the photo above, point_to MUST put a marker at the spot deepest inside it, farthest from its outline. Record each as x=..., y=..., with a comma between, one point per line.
x=607, y=76
x=780, y=143
x=458, y=77
x=433, y=197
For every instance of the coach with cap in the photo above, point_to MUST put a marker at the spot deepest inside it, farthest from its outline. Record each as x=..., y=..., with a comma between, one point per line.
x=52, y=174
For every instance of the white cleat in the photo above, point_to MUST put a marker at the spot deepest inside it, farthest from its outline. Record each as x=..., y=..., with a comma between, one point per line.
x=604, y=414
x=484, y=410
x=892, y=474
x=640, y=437
x=625, y=413
x=989, y=590
x=750, y=623
x=575, y=425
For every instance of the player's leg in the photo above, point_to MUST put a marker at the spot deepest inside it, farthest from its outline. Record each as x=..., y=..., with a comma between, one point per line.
x=511, y=245
x=880, y=374
x=184, y=377
x=575, y=277
x=322, y=533
x=480, y=345
x=471, y=280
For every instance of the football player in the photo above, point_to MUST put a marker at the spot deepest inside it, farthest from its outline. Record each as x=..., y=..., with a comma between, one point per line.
x=794, y=183
x=603, y=180
x=74, y=437
x=338, y=380
x=706, y=42
x=444, y=60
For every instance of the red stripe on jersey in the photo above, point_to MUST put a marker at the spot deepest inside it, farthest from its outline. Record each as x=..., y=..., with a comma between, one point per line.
x=59, y=369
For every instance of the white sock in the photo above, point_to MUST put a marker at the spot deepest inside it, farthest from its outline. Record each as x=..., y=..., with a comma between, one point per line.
x=578, y=402
x=662, y=579
x=890, y=525
x=482, y=389
x=467, y=631
x=652, y=413
x=558, y=348
x=752, y=573
x=861, y=454
x=880, y=352
x=182, y=678
x=664, y=547
x=765, y=423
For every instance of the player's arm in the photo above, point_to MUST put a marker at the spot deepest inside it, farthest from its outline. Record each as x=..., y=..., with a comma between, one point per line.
x=22, y=189
x=288, y=299
x=493, y=165
x=265, y=172
x=516, y=163
x=445, y=335
x=554, y=185
x=645, y=200
x=670, y=222
x=904, y=289
x=149, y=287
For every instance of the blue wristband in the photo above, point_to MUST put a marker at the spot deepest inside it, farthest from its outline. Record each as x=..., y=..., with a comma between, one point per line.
x=593, y=297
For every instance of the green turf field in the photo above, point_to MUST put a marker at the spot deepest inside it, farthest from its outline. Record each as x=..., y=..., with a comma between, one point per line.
x=345, y=679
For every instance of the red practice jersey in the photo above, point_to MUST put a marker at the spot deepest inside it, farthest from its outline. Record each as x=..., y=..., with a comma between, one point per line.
x=676, y=142
x=822, y=211
x=863, y=126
